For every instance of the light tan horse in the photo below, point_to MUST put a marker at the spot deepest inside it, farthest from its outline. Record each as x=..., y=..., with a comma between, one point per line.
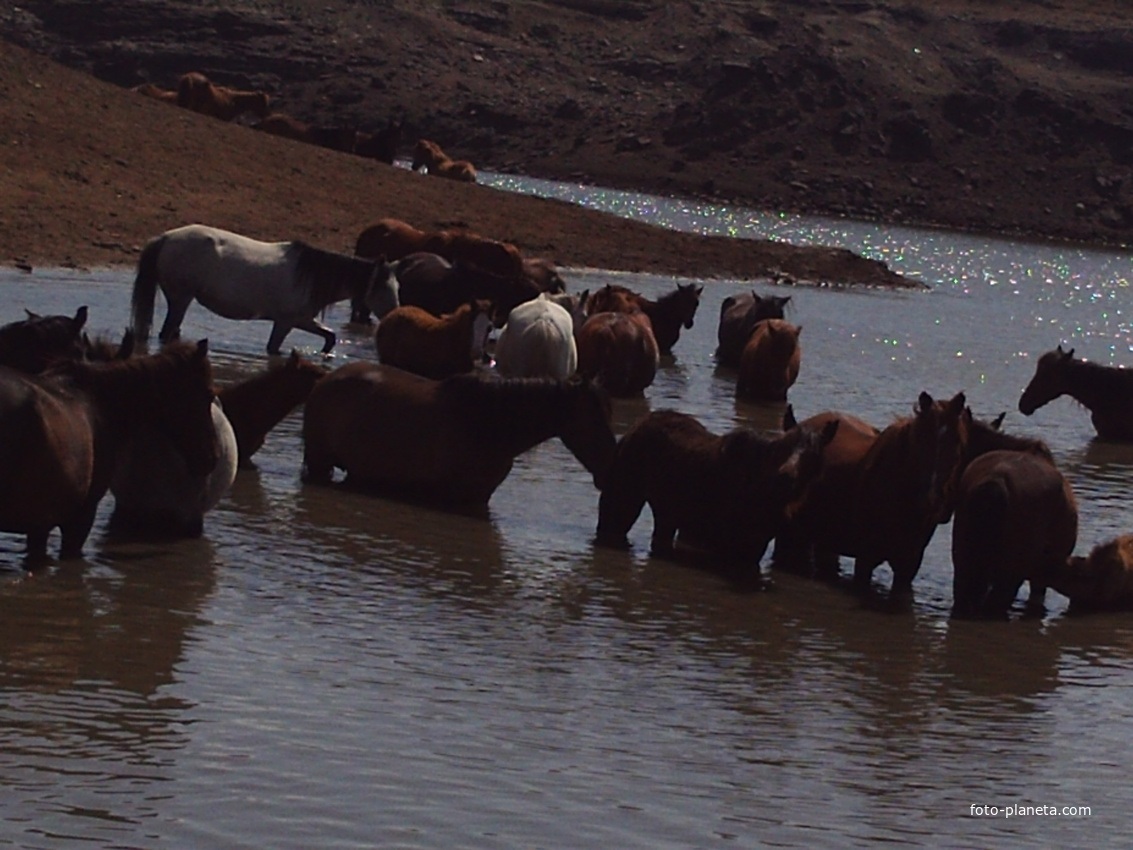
x=429, y=155
x=415, y=340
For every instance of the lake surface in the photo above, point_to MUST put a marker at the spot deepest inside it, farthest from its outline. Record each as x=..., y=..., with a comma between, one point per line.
x=331, y=669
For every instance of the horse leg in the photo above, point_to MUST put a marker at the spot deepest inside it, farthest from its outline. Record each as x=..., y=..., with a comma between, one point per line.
x=359, y=311
x=174, y=315
x=36, y=553
x=618, y=509
x=863, y=572
x=311, y=325
x=318, y=467
x=1001, y=597
x=1036, y=598
x=76, y=530
x=664, y=530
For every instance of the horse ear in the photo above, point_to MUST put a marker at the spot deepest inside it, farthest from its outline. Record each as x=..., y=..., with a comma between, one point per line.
x=202, y=349
x=126, y=347
x=80, y=318
x=31, y=315
x=293, y=359
x=955, y=406
x=997, y=423
x=924, y=402
x=1069, y=354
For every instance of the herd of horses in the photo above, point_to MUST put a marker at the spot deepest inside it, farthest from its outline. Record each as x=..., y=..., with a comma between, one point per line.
x=196, y=92
x=84, y=417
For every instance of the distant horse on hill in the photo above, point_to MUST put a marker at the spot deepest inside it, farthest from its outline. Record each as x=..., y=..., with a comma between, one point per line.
x=429, y=155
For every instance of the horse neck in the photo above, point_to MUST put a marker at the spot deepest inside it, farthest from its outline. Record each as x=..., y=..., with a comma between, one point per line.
x=982, y=438
x=1096, y=386
x=514, y=414
x=330, y=277
x=257, y=405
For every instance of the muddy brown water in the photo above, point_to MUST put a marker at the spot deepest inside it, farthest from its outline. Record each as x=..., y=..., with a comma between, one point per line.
x=332, y=669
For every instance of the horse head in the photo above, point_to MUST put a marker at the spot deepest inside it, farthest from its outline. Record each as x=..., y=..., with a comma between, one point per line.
x=381, y=289
x=1049, y=381
x=32, y=344
x=946, y=427
x=183, y=396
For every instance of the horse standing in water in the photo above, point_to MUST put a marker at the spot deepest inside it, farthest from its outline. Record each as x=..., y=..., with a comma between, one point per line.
x=1016, y=520
x=64, y=432
x=432, y=283
x=32, y=344
x=618, y=352
x=1102, y=581
x=880, y=495
x=436, y=347
x=241, y=278
x=770, y=363
x=1106, y=390
x=739, y=315
x=728, y=493
x=451, y=442
x=667, y=315
x=537, y=341
x=256, y=405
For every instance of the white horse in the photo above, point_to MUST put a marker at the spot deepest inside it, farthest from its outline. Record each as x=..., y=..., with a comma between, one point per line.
x=537, y=341
x=155, y=494
x=241, y=278
x=573, y=302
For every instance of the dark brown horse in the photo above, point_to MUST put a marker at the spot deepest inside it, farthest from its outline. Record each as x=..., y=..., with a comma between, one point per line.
x=668, y=314
x=336, y=138
x=436, y=347
x=1016, y=520
x=738, y=317
x=1106, y=390
x=451, y=441
x=770, y=363
x=1102, y=581
x=880, y=495
x=618, y=352
x=432, y=283
x=382, y=144
x=727, y=493
x=32, y=344
x=256, y=405
x=63, y=432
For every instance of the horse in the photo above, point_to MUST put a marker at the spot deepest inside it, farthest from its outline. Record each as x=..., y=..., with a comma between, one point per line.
x=668, y=314
x=155, y=493
x=574, y=303
x=431, y=282
x=381, y=145
x=238, y=277
x=1102, y=581
x=336, y=138
x=32, y=344
x=618, y=352
x=770, y=362
x=543, y=273
x=197, y=93
x=451, y=442
x=729, y=493
x=428, y=154
x=256, y=405
x=63, y=432
x=880, y=494
x=157, y=93
x=1016, y=520
x=1106, y=390
x=537, y=341
x=417, y=341
x=738, y=317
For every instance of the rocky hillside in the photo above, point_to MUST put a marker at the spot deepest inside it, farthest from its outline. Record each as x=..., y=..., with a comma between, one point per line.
x=1009, y=117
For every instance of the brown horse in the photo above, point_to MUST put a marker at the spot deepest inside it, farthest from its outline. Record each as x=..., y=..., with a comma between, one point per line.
x=436, y=347
x=63, y=432
x=728, y=493
x=880, y=495
x=1016, y=520
x=1102, y=581
x=450, y=441
x=738, y=317
x=431, y=282
x=197, y=93
x=256, y=405
x=395, y=239
x=429, y=155
x=770, y=362
x=1106, y=390
x=668, y=314
x=618, y=352
x=32, y=344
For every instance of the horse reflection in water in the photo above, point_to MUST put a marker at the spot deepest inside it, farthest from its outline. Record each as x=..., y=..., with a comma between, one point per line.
x=450, y=442
x=64, y=433
x=1107, y=391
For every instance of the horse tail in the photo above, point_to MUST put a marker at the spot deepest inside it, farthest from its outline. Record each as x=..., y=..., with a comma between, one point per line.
x=977, y=547
x=145, y=289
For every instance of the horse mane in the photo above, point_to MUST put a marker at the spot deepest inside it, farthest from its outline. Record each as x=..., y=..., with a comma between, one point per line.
x=325, y=272
x=1110, y=376
x=151, y=372
x=984, y=437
